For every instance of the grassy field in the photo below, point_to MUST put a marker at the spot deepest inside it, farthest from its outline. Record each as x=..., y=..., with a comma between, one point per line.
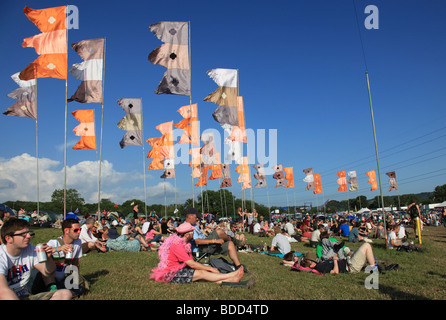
x=125, y=276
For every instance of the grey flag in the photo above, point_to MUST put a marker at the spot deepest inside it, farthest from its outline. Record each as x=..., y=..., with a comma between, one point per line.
x=131, y=138
x=175, y=81
x=171, y=31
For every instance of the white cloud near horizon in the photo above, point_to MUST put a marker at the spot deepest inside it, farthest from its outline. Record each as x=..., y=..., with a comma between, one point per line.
x=18, y=181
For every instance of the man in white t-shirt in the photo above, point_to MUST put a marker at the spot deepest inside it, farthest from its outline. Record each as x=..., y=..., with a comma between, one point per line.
x=18, y=258
x=280, y=241
x=89, y=242
x=289, y=228
x=68, y=242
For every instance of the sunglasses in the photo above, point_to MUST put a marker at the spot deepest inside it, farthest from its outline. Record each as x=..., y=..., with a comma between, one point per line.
x=75, y=229
x=23, y=234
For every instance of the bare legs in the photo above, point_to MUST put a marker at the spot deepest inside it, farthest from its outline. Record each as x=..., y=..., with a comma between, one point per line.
x=235, y=276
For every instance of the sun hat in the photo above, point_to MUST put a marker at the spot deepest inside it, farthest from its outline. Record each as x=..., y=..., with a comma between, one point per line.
x=311, y=256
x=185, y=227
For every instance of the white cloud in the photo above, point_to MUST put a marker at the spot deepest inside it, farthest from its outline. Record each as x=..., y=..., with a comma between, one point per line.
x=18, y=181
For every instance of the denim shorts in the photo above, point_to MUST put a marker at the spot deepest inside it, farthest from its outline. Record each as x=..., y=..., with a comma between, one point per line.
x=184, y=275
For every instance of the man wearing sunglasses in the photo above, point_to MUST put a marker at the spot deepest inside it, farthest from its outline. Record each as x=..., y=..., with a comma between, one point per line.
x=17, y=258
x=68, y=242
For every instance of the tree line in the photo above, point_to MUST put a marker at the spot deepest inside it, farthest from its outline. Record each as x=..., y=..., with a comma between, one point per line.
x=221, y=203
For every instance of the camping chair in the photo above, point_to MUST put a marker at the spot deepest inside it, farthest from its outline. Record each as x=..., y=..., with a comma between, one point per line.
x=201, y=253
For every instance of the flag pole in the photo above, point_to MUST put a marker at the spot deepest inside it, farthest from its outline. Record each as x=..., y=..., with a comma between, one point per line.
x=377, y=157
x=102, y=125
x=37, y=158
x=190, y=108
x=65, y=139
x=143, y=161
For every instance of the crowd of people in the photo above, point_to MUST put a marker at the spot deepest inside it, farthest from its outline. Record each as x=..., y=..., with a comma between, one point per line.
x=179, y=242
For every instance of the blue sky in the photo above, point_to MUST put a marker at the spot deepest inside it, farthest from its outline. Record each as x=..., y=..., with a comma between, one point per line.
x=301, y=72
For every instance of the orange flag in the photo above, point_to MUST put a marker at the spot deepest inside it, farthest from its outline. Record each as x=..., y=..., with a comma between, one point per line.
x=372, y=180
x=342, y=181
x=289, y=177
x=51, y=44
x=317, y=183
x=85, y=130
x=189, y=124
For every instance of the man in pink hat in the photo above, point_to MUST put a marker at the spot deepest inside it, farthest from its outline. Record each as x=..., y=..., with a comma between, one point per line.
x=177, y=264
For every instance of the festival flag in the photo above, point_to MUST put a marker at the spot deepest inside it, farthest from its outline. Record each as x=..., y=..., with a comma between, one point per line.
x=244, y=177
x=26, y=104
x=353, y=181
x=372, y=179
x=227, y=181
x=289, y=177
x=203, y=176
x=50, y=44
x=309, y=178
x=342, y=181
x=189, y=124
x=225, y=96
x=169, y=169
x=89, y=71
x=392, y=181
x=162, y=150
x=85, y=129
x=260, y=176
x=131, y=122
x=317, y=183
x=173, y=55
x=279, y=175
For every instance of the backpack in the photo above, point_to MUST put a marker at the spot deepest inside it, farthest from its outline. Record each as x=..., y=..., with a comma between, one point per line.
x=413, y=212
x=222, y=265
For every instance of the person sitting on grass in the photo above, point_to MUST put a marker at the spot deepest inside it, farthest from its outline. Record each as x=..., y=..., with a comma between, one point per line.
x=178, y=266
x=355, y=235
x=218, y=242
x=280, y=243
x=89, y=242
x=17, y=259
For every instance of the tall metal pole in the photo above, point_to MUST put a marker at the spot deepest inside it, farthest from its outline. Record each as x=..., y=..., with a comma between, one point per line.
x=377, y=157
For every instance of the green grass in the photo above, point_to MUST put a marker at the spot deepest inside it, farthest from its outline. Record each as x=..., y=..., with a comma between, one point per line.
x=125, y=276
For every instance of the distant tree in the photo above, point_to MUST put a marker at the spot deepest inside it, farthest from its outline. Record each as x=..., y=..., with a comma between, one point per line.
x=439, y=193
x=73, y=200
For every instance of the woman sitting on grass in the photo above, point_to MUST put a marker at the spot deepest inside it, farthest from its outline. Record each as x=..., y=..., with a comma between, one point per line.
x=177, y=265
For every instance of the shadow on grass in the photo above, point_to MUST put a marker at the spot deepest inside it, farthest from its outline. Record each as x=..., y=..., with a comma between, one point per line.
x=396, y=294
x=93, y=277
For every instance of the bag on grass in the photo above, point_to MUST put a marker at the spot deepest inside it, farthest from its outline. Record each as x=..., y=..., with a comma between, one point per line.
x=222, y=265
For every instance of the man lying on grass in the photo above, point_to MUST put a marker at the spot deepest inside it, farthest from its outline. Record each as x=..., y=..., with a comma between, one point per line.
x=177, y=264
x=352, y=265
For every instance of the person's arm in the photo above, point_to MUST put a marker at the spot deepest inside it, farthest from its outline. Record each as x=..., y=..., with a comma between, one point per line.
x=198, y=266
x=5, y=292
x=199, y=241
x=47, y=269
x=335, y=267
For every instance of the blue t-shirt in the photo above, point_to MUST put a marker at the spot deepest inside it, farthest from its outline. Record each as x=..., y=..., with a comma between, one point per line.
x=345, y=229
x=197, y=235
